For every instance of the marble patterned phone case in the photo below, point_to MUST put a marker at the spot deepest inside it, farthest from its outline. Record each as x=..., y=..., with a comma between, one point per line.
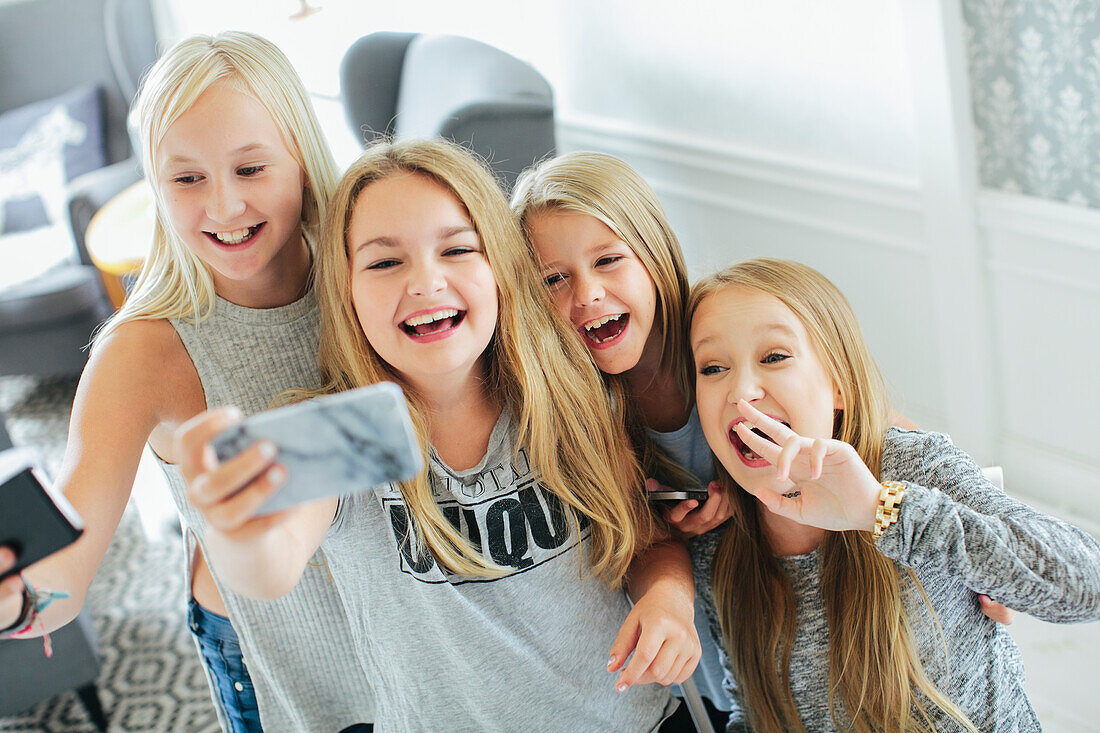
x=334, y=445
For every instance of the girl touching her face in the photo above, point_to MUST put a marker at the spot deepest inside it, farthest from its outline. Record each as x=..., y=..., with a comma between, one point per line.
x=616, y=274
x=855, y=549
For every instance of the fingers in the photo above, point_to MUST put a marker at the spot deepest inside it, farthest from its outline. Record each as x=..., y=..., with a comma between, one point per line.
x=675, y=515
x=692, y=521
x=7, y=559
x=666, y=654
x=624, y=643
x=660, y=646
x=11, y=590
x=191, y=440
x=231, y=495
x=791, y=448
x=644, y=654
x=776, y=430
x=817, y=458
x=217, y=484
x=764, y=448
x=687, y=669
x=995, y=611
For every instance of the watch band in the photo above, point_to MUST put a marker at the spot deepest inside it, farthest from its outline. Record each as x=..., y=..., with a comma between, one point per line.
x=889, y=498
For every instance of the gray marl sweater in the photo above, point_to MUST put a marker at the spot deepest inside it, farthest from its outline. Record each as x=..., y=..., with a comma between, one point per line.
x=961, y=536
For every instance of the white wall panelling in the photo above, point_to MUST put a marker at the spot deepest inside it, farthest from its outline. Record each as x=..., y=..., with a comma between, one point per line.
x=949, y=184
x=1044, y=274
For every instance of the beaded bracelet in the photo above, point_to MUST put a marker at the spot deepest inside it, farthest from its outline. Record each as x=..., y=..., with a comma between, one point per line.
x=35, y=601
x=26, y=613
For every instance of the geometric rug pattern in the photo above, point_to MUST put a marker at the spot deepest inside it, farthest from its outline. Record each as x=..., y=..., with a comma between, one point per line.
x=151, y=679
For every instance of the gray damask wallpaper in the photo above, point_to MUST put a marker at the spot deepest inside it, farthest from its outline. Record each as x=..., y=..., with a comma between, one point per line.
x=1035, y=84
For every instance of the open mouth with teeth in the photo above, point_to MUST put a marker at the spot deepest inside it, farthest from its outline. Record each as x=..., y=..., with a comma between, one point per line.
x=605, y=329
x=436, y=323
x=747, y=455
x=236, y=237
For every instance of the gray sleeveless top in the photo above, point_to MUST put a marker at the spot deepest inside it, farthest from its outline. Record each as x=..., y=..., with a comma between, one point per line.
x=297, y=648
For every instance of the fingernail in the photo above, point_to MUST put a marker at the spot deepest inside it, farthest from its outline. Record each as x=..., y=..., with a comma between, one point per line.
x=276, y=474
x=621, y=687
x=268, y=449
x=233, y=412
x=611, y=662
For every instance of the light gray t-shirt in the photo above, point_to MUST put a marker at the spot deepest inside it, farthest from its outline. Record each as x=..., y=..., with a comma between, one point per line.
x=961, y=536
x=527, y=651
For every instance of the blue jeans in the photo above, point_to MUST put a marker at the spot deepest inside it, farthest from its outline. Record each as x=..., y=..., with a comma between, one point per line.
x=221, y=653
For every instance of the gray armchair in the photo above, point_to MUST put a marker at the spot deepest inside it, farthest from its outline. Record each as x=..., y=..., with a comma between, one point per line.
x=48, y=47
x=410, y=85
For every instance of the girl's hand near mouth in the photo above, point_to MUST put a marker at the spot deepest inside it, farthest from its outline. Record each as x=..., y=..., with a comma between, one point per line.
x=821, y=482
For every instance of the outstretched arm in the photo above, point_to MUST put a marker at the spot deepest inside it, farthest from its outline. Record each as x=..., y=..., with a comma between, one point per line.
x=951, y=518
x=261, y=557
x=126, y=390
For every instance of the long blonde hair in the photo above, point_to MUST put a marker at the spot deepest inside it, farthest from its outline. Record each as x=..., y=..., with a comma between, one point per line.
x=175, y=283
x=606, y=188
x=534, y=363
x=874, y=666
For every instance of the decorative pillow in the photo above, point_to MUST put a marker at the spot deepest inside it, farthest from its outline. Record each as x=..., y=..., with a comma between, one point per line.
x=28, y=254
x=43, y=146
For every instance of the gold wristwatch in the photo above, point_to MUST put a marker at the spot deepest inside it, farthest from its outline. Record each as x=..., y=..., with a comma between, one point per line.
x=889, y=498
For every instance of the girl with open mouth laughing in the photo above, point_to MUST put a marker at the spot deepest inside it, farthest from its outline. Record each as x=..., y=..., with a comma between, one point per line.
x=615, y=273
x=481, y=592
x=222, y=313
x=842, y=588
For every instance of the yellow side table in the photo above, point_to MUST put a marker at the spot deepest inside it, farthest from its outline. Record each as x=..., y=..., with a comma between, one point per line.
x=119, y=236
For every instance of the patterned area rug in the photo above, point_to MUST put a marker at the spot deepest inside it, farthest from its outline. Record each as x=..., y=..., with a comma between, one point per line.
x=151, y=678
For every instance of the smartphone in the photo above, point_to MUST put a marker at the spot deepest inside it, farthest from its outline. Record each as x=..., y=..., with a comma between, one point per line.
x=335, y=445
x=35, y=519
x=700, y=495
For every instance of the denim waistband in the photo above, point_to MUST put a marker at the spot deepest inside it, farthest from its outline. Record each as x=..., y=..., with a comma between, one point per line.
x=206, y=624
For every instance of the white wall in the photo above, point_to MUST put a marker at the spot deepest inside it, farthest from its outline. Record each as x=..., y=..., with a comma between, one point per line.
x=814, y=131
x=827, y=81
x=836, y=134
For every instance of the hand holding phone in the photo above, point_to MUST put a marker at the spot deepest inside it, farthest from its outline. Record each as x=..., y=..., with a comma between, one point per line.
x=670, y=496
x=334, y=445
x=35, y=519
x=711, y=508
